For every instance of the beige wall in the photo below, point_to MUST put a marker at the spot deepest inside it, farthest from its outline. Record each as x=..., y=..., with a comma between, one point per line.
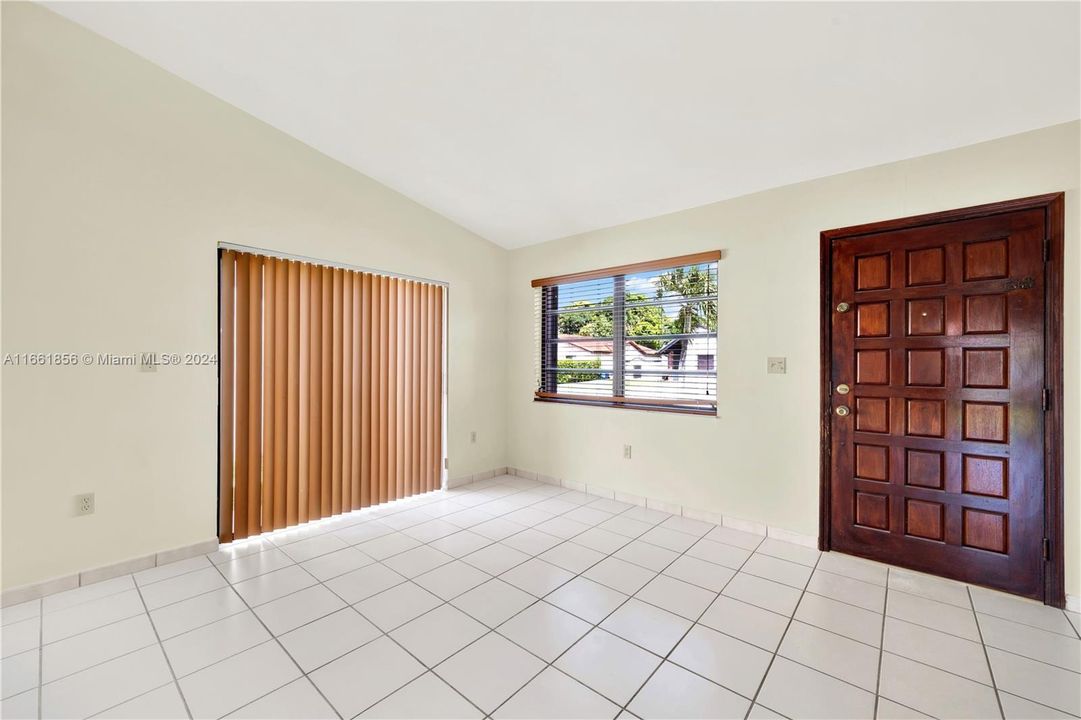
x=119, y=181
x=759, y=459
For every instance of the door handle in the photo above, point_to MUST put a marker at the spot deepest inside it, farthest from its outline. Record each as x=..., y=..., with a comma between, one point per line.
x=842, y=410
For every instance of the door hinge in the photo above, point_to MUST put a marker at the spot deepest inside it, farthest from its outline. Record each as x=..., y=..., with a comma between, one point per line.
x=1046, y=249
x=446, y=463
x=1046, y=549
x=1046, y=399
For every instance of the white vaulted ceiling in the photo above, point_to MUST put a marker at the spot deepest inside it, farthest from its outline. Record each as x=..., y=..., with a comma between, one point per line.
x=529, y=121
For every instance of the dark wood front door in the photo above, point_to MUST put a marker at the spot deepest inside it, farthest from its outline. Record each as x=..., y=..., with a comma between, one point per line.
x=937, y=396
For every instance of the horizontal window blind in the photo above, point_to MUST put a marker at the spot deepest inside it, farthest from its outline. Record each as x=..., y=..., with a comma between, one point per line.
x=331, y=391
x=642, y=336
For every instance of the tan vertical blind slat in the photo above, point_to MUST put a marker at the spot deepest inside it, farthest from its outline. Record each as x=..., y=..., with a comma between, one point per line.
x=400, y=439
x=379, y=392
x=251, y=525
x=414, y=412
x=392, y=390
x=270, y=276
x=241, y=379
x=227, y=289
x=281, y=367
x=315, y=394
x=429, y=417
x=423, y=387
x=437, y=455
x=325, y=430
x=336, y=396
x=431, y=472
x=406, y=387
x=303, y=383
x=366, y=391
x=292, y=407
x=330, y=391
x=346, y=391
x=353, y=390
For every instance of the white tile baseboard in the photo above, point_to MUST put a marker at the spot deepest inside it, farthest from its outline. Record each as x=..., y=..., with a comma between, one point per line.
x=569, y=484
x=745, y=525
x=669, y=507
x=477, y=477
x=1073, y=602
x=703, y=515
x=33, y=591
x=810, y=541
x=630, y=498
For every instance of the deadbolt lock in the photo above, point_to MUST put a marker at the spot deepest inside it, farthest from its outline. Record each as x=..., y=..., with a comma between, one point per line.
x=842, y=307
x=843, y=410
x=843, y=389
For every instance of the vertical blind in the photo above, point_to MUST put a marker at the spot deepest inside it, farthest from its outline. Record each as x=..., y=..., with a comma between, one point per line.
x=641, y=336
x=331, y=387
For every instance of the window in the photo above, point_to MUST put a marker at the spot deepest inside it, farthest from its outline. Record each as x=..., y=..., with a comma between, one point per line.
x=641, y=336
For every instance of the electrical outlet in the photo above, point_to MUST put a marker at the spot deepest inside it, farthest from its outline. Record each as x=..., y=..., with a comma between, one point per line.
x=473, y=436
x=84, y=504
x=776, y=365
x=626, y=452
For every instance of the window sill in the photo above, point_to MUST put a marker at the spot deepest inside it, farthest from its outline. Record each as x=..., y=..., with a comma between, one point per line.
x=629, y=405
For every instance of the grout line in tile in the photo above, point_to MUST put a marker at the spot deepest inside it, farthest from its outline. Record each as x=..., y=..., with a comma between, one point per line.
x=1034, y=702
x=84, y=602
x=576, y=575
x=388, y=636
x=928, y=627
x=102, y=662
x=96, y=627
x=782, y=715
x=881, y=641
x=843, y=602
x=1015, y=621
x=271, y=692
x=694, y=623
x=752, y=552
x=825, y=630
x=595, y=626
x=161, y=649
x=780, y=642
x=273, y=638
x=145, y=692
x=41, y=652
x=1032, y=659
x=935, y=668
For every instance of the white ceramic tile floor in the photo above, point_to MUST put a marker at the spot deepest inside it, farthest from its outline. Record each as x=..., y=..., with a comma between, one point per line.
x=509, y=598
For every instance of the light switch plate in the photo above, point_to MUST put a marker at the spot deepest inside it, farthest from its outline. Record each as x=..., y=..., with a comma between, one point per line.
x=776, y=365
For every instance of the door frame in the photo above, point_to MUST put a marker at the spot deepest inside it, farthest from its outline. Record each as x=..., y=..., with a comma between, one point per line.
x=1053, y=205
